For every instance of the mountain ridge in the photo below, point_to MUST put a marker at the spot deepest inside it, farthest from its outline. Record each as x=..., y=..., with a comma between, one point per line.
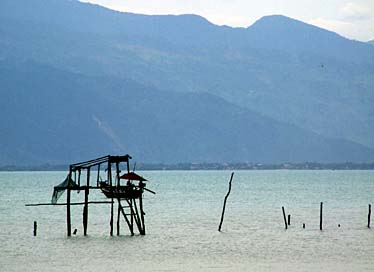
x=59, y=132
x=318, y=85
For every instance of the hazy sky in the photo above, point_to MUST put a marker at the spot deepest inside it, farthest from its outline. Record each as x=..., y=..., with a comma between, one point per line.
x=353, y=19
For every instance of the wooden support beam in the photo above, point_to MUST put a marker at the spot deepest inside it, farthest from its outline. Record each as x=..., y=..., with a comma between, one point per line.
x=81, y=188
x=98, y=176
x=85, y=209
x=68, y=215
x=141, y=215
x=117, y=175
x=118, y=217
x=119, y=201
x=79, y=177
x=111, y=218
x=65, y=204
x=109, y=172
x=85, y=219
x=90, y=163
x=132, y=212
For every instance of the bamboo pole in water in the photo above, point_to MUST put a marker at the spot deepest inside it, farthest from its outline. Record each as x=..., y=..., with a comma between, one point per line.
x=224, y=202
x=284, y=218
x=320, y=216
x=369, y=215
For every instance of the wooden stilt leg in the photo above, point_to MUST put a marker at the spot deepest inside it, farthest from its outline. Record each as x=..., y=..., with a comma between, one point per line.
x=141, y=215
x=85, y=211
x=118, y=216
x=111, y=218
x=68, y=216
x=132, y=213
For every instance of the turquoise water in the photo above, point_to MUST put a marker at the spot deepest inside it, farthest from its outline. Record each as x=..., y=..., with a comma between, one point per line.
x=182, y=221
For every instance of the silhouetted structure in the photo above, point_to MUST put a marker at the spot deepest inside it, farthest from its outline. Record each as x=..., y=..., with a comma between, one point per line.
x=131, y=192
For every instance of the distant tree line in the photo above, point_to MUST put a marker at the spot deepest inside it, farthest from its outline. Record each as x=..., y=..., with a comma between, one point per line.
x=214, y=166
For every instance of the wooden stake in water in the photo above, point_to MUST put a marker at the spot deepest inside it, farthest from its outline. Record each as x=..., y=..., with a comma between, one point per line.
x=224, y=203
x=289, y=220
x=369, y=215
x=320, y=216
x=35, y=227
x=284, y=217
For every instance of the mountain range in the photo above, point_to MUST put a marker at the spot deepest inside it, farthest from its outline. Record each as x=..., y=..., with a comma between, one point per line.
x=78, y=80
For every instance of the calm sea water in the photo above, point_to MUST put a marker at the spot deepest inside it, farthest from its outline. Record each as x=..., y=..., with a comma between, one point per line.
x=182, y=221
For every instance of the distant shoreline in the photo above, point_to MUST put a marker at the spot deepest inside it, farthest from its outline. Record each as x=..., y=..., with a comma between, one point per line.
x=211, y=166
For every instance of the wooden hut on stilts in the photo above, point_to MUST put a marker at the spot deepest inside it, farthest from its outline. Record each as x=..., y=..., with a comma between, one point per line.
x=126, y=190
